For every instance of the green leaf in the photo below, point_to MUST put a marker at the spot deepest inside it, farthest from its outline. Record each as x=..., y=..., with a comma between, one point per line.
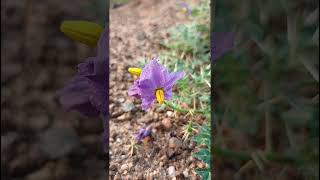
x=204, y=136
x=203, y=155
x=204, y=173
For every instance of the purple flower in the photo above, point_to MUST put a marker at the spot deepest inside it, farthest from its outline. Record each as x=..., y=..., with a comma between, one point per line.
x=154, y=83
x=144, y=132
x=87, y=92
x=221, y=43
x=134, y=90
x=186, y=7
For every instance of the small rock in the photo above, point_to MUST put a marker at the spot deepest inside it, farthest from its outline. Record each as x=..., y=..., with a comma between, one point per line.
x=170, y=153
x=185, y=173
x=124, y=167
x=172, y=171
x=122, y=117
x=145, y=119
x=155, y=116
x=166, y=123
x=169, y=113
x=163, y=157
x=127, y=106
x=174, y=142
x=141, y=36
x=121, y=100
x=113, y=167
x=116, y=114
x=122, y=86
x=156, y=125
x=191, y=145
x=111, y=106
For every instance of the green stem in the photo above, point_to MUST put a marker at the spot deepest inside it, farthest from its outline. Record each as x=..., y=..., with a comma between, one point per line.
x=176, y=108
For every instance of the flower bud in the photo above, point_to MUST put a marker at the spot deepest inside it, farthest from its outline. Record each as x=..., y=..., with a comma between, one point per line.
x=83, y=31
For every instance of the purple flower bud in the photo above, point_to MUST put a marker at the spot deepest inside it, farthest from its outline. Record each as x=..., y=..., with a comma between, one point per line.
x=143, y=132
x=186, y=7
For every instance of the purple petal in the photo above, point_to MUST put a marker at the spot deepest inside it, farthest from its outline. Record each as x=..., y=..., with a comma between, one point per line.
x=147, y=132
x=172, y=78
x=147, y=93
x=134, y=90
x=94, y=71
x=168, y=94
x=74, y=97
x=147, y=102
x=139, y=136
x=87, y=92
x=155, y=72
x=143, y=132
x=221, y=43
x=185, y=5
x=147, y=87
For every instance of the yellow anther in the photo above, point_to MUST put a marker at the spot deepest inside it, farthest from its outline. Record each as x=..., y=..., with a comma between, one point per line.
x=160, y=96
x=83, y=31
x=135, y=71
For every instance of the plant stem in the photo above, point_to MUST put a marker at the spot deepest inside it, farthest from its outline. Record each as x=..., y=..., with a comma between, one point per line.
x=176, y=108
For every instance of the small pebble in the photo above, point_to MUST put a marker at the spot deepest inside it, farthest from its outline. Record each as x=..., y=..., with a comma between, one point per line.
x=127, y=106
x=172, y=171
x=124, y=167
x=166, y=123
x=121, y=100
x=185, y=173
x=122, y=117
x=174, y=143
x=169, y=113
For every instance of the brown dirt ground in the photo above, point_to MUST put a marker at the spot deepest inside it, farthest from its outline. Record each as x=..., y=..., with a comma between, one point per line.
x=36, y=61
x=136, y=29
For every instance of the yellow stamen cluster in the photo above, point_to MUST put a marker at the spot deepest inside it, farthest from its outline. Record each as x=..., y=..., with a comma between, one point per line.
x=135, y=71
x=83, y=31
x=160, y=96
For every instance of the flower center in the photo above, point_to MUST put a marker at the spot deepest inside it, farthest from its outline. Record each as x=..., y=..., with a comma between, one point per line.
x=135, y=71
x=160, y=95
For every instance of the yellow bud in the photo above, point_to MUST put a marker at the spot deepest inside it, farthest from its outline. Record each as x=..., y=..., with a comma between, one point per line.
x=160, y=96
x=135, y=71
x=83, y=31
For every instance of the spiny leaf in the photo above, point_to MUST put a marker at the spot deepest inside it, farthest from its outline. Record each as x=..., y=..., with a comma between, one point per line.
x=204, y=173
x=203, y=155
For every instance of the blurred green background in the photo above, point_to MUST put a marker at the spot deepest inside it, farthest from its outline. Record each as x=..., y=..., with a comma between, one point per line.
x=266, y=91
